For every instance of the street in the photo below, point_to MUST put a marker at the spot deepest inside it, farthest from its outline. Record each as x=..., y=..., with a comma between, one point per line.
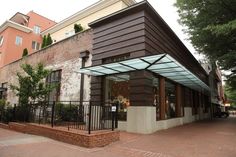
x=215, y=138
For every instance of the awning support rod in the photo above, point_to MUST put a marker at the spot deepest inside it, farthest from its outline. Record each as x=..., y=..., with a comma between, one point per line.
x=155, y=61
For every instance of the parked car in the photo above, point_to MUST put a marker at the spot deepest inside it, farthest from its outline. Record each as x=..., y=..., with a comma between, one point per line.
x=221, y=114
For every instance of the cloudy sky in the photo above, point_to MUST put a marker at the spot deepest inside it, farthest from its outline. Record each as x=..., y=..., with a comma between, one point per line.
x=58, y=10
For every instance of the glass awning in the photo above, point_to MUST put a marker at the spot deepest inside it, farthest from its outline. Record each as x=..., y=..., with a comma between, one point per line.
x=162, y=64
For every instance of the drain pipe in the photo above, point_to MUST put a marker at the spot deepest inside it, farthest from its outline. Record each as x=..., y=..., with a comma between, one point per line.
x=84, y=55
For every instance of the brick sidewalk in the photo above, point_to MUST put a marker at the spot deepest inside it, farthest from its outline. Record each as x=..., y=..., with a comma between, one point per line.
x=202, y=139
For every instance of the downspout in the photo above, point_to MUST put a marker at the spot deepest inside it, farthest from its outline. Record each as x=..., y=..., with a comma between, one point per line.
x=84, y=55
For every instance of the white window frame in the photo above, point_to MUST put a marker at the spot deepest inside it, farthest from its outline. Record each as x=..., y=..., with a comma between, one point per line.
x=35, y=45
x=1, y=40
x=19, y=40
x=70, y=33
x=37, y=29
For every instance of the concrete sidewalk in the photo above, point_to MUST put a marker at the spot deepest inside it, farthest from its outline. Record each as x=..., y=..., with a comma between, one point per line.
x=215, y=138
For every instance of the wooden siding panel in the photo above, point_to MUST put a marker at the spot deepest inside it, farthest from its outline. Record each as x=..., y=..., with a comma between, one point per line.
x=128, y=49
x=117, y=34
x=120, y=21
x=123, y=38
x=128, y=24
x=119, y=45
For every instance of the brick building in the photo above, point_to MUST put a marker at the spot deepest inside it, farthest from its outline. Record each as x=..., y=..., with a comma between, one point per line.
x=130, y=56
x=19, y=32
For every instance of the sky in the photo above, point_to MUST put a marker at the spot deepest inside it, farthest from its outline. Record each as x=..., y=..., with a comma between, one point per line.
x=58, y=10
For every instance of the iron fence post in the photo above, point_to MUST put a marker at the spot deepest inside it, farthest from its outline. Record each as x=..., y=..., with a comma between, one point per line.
x=112, y=114
x=89, y=123
x=116, y=115
x=52, y=118
x=14, y=113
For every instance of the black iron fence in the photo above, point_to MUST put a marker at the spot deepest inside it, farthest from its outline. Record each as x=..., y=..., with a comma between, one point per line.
x=70, y=114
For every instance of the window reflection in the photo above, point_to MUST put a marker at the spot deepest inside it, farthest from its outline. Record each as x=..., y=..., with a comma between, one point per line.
x=170, y=107
x=156, y=97
x=117, y=91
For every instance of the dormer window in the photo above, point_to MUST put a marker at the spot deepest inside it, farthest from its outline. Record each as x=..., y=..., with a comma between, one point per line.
x=37, y=29
x=1, y=40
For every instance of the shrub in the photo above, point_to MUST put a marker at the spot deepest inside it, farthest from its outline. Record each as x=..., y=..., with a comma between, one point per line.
x=66, y=112
x=25, y=52
x=78, y=28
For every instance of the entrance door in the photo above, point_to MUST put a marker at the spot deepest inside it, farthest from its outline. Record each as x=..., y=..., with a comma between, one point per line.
x=117, y=90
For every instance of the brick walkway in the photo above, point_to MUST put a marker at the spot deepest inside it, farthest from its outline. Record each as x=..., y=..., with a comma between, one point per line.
x=202, y=139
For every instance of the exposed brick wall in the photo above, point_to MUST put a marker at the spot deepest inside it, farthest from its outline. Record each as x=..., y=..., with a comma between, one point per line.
x=18, y=127
x=4, y=126
x=100, y=139
x=62, y=55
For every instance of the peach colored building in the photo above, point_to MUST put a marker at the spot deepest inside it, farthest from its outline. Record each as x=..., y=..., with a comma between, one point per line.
x=19, y=32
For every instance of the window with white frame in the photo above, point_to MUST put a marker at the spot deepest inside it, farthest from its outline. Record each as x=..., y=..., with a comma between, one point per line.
x=70, y=33
x=1, y=40
x=35, y=45
x=18, y=40
x=37, y=29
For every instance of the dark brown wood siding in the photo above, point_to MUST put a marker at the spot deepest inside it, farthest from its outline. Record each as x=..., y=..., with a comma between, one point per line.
x=158, y=39
x=139, y=32
x=125, y=35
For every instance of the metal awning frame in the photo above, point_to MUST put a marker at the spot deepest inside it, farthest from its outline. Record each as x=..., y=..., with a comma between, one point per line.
x=162, y=64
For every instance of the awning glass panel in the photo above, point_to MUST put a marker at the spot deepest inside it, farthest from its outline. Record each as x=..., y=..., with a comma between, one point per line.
x=135, y=63
x=118, y=67
x=162, y=64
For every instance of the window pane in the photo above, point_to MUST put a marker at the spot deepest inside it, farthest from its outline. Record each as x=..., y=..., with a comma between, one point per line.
x=37, y=46
x=117, y=91
x=170, y=107
x=1, y=40
x=37, y=29
x=18, y=40
x=156, y=96
x=33, y=45
x=52, y=79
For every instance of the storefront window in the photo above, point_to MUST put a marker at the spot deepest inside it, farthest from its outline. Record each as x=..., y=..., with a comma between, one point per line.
x=156, y=97
x=117, y=91
x=170, y=108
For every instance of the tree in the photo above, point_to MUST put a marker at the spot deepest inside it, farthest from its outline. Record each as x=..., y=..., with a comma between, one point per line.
x=32, y=86
x=211, y=25
x=49, y=40
x=78, y=28
x=231, y=95
x=25, y=52
x=44, y=41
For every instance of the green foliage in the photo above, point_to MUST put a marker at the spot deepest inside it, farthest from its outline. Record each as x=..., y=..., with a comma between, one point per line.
x=2, y=106
x=6, y=112
x=7, y=115
x=25, y=52
x=44, y=41
x=65, y=112
x=49, y=40
x=212, y=28
x=78, y=28
x=231, y=94
x=32, y=84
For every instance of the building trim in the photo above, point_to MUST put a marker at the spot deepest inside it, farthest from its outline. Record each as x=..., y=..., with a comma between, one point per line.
x=84, y=13
x=17, y=26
